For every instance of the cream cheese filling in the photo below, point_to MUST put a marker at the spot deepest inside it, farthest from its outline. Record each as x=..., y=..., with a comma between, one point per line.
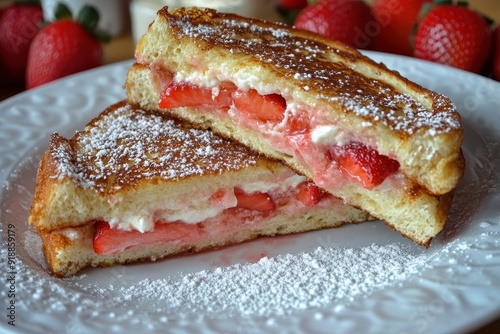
x=199, y=209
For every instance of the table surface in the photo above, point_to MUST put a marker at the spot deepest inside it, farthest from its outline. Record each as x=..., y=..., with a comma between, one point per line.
x=122, y=48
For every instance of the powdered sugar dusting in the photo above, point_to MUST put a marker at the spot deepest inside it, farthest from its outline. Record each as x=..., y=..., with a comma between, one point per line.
x=127, y=145
x=312, y=66
x=278, y=285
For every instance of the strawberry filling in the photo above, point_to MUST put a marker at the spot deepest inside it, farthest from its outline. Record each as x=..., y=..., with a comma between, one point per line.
x=363, y=164
x=250, y=103
x=251, y=208
x=356, y=161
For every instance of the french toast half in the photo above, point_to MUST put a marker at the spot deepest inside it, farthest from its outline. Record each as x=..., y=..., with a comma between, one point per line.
x=136, y=185
x=361, y=131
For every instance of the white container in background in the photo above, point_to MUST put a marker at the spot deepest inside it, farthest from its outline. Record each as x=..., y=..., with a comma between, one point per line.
x=113, y=14
x=143, y=12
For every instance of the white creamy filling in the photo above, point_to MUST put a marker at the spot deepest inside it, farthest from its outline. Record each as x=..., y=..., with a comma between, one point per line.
x=71, y=234
x=201, y=210
x=244, y=81
x=198, y=210
x=329, y=135
x=128, y=221
x=290, y=182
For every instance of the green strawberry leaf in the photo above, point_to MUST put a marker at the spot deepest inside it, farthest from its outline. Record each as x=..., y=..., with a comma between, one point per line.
x=88, y=17
x=62, y=12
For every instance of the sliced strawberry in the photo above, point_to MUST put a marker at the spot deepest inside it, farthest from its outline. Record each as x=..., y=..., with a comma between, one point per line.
x=265, y=108
x=112, y=241
x=363, y=164
x=189, y=95
x=309, y=194
x=255, y=201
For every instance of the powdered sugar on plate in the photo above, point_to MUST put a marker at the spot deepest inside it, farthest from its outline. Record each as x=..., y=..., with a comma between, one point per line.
x=282, y=284
x=273, y=286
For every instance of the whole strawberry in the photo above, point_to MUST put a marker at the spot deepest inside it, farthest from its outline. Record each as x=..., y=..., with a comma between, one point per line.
x=396, y=19
x=347, y=21
x=64, y=47
x=18, y=26
x=456, y=36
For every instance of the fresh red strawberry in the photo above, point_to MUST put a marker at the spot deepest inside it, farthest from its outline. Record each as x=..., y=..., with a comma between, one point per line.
x=255, y=201
x=112, y=241
x=292, y=4
x=496, y=55
x=456, y=36
x=60, y=49
x=309, y=194
x=19, y=25
x=189, y=95
x=345, y=20
x=262, y=107
x=363, y=164
x=65, y=46
x=396, y=19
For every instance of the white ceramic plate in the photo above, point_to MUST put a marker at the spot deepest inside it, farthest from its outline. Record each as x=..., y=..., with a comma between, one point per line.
x=362, y=278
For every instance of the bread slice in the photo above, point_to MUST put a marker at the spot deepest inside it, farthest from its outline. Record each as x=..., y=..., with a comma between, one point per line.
x=311, y=102
x=136, y=186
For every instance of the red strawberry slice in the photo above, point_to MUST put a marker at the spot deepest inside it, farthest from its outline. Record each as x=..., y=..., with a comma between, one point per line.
x=298, y=124
x=257, y=201
x=190, y=95
x=112, y=241
x=265, y=108
x=363, y=164
x=309, y=194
